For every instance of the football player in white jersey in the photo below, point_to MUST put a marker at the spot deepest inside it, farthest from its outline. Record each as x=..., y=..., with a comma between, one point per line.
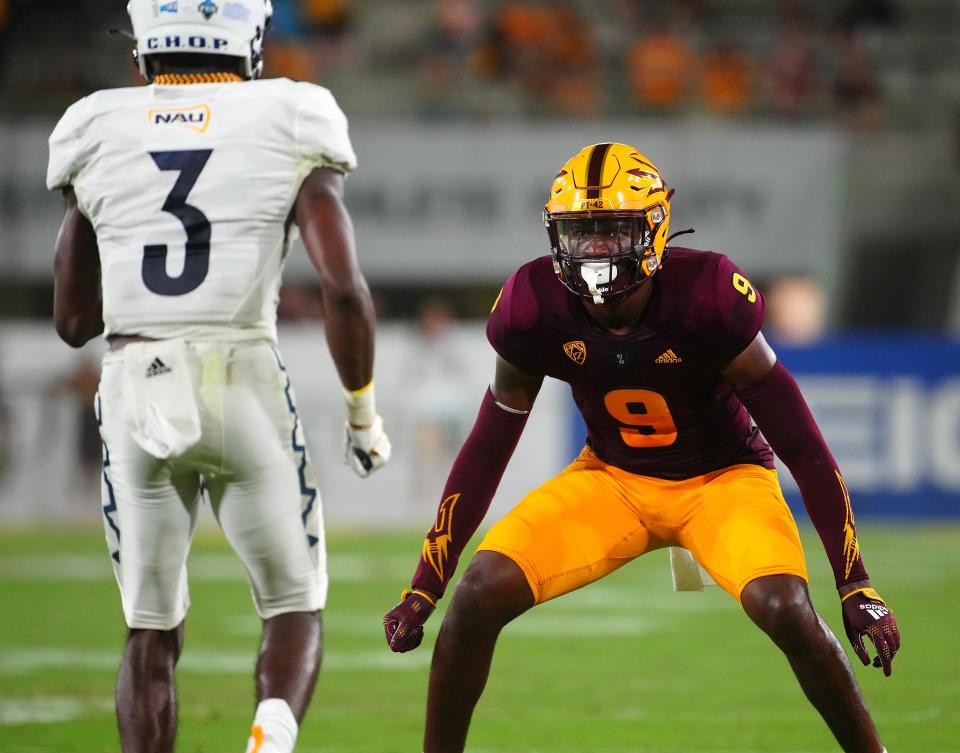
x=182, y=198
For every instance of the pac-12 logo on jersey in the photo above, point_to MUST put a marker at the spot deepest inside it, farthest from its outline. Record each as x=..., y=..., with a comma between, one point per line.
x=576, y=351
x=169, y=7
x=195, y=118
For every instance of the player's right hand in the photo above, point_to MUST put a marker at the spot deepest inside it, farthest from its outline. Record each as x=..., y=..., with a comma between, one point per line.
x=403, y=625
x=864, y=612
x=365, y=448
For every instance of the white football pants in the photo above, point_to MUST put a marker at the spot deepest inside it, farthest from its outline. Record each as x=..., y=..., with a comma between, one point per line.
x=250, y=458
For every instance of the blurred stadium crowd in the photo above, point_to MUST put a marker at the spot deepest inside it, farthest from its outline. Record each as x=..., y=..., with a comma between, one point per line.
x=865, y=63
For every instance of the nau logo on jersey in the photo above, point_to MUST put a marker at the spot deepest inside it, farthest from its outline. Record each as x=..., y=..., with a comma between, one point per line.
x=195, y=118
x=576, y=351
x=168, y=7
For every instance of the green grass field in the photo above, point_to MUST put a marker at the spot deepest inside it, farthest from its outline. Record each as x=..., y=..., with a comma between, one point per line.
x=622, y=666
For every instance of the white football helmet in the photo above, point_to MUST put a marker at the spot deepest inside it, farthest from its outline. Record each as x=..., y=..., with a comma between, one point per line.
x=216, y=27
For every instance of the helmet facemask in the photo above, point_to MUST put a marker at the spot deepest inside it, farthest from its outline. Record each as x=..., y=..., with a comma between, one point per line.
x=255, y=66
x=602, y=256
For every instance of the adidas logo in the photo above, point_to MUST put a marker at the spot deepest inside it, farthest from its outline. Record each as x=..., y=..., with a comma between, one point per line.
x=668, y=356
x=877, y=611
x=157, y=368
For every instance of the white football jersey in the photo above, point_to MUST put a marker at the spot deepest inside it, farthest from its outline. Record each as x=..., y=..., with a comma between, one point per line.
x=190, y=191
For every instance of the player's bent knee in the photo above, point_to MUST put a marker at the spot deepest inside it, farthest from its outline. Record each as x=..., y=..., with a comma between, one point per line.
x=781, y=607
x=493, y=587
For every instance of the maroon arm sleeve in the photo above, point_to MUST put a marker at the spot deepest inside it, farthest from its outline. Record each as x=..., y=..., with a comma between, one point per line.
x=472, y=482
x=781, y=413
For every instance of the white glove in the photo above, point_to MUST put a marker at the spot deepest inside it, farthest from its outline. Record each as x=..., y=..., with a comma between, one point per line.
x=365, y=449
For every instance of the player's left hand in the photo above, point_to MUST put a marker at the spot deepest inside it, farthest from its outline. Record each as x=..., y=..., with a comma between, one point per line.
x=365, y=448
x=864, y=612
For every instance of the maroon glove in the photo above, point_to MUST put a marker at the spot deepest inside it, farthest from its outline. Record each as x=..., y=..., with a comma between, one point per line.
x=403, y=624
x=865, y=612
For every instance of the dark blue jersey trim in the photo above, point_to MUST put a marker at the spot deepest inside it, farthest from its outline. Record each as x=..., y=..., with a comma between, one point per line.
x=308, y=491
x=110, y=508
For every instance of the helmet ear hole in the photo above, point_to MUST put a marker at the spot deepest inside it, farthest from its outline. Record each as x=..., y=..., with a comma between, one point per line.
x=650, y=263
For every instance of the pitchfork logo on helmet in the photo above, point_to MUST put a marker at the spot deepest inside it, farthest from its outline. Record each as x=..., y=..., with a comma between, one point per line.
x=607, y=218
x=234, y=28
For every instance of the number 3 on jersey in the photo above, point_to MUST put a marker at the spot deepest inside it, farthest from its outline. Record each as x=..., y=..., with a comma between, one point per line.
x=647, y=419
x=189, y=163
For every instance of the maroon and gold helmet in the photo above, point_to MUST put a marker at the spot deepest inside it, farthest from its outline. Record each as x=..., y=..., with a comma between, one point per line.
x=607, y=218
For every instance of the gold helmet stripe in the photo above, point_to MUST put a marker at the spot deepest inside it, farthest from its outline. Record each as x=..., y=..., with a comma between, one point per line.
x=595, y=170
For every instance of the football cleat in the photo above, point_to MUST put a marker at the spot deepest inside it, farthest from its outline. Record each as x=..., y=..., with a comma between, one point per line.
x=212, y=27
x=607, y=219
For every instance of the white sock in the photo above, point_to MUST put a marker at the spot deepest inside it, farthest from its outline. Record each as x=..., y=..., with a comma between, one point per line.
x=274, y=728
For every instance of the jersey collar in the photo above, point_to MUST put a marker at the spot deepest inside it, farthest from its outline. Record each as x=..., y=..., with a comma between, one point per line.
x=182, y=79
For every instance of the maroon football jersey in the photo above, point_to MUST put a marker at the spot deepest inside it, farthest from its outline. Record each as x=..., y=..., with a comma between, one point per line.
x=654, y=400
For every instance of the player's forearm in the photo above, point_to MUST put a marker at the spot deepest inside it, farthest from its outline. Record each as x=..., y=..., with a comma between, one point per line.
x=327, y=233
x=470, y=487
x=349, y=324
x=780, y=411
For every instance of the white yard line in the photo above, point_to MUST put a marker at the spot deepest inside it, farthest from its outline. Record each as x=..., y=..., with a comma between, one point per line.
x=202, y=567
x=49, y=709
x=30, y=660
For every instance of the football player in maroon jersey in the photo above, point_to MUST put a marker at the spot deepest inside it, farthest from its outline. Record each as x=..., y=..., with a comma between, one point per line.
x=663, y=352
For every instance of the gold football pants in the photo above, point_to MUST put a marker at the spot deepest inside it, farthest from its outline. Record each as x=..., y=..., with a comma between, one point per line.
x=594, y=518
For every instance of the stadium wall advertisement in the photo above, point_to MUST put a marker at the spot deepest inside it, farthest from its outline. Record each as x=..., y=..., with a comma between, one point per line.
x=452, y=202
x=888, y=406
